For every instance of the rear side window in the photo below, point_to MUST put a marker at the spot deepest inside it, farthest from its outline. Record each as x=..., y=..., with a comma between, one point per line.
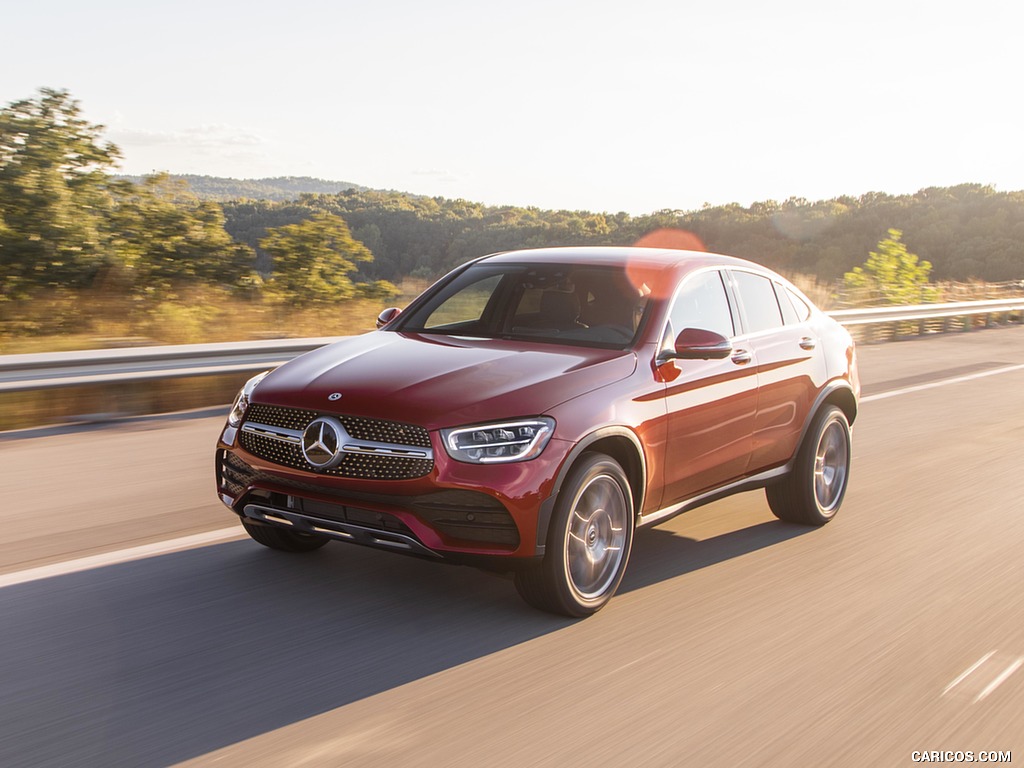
x=760, y=306
x=802, y=310
x=788, y=311
x=702, y=303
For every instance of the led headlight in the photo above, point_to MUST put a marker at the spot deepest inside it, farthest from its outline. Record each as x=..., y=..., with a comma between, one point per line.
x=500, y=442
x=241, y=403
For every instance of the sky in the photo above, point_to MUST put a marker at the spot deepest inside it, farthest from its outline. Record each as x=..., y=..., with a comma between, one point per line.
x=634, y=105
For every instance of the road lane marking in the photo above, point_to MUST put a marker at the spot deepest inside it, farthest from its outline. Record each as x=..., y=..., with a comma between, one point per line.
x=119, y=556
x=968, y=671
x=941, y=383
x=1000, y=680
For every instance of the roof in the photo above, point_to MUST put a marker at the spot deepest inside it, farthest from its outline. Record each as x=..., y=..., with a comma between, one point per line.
x=651, y=258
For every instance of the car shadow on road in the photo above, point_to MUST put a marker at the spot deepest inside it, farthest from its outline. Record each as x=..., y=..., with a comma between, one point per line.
x=660, y=554
x=158, y=661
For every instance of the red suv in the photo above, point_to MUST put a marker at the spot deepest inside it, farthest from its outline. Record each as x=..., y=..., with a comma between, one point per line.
x=532, y=408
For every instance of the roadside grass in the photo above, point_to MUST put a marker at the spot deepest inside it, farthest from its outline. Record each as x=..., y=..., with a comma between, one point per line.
x=65, y=321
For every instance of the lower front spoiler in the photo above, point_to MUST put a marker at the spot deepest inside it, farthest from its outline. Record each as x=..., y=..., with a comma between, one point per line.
x=355, y=534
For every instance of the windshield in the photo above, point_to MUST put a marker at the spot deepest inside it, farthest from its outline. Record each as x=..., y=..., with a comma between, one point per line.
x=564, y=304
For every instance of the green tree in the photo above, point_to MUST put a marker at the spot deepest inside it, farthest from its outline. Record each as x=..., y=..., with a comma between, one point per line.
x=165, y=237
x=53, y=194
x=313, y=259
x=892, y=273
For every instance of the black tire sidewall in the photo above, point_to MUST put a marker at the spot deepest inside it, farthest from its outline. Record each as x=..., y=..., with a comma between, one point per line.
x=809, y=453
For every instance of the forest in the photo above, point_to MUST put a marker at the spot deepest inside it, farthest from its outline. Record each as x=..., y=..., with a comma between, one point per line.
x=81, y=244
x=967, y=232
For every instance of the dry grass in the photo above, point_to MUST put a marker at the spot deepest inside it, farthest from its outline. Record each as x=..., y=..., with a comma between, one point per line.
x=64, y=322
x=92, y=320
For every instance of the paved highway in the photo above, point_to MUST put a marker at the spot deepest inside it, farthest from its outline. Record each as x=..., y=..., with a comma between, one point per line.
x=735, y=640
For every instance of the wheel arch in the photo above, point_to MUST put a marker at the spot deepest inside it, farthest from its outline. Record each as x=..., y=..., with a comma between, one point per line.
x=842, y=396
x=838, y=393
x=619, y=443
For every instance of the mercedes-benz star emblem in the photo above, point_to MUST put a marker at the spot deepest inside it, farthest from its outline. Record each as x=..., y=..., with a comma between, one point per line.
x=322, y=441
x=334, y=396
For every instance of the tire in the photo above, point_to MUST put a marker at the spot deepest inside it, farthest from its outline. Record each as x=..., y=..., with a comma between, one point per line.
x=813, y=491
x=282, y=540
x=588, y=542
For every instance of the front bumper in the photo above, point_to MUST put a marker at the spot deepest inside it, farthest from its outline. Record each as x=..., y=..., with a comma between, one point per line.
x=457, y=511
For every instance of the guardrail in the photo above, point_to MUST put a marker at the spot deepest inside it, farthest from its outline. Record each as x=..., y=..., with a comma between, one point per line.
x=48, y=370
x=921, y=312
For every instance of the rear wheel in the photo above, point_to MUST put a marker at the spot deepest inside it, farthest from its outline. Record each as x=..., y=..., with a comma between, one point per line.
x=813, y=491
x=285, y=541
x=588, y=542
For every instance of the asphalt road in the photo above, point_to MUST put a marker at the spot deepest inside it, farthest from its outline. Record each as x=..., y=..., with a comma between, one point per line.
x=735, y=640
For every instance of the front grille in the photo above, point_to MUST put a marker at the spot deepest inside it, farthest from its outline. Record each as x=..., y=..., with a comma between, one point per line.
x=366, y=466
x=345, y=514
x=378, y=430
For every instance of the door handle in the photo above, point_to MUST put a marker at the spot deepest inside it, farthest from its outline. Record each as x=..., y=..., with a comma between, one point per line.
x=741, y=357
x=808, y=343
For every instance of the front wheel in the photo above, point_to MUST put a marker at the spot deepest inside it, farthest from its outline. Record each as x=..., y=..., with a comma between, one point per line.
x=285, y=541
x=588, y=541
x=813, y=491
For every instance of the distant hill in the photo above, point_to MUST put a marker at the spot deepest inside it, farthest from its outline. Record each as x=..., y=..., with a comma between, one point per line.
x=279, y=189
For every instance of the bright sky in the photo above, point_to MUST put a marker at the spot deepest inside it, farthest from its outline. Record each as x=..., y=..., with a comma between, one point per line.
x=633, y=105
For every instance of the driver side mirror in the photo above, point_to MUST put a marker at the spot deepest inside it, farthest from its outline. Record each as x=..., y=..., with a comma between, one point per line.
x=698, y=344
x=387, y=316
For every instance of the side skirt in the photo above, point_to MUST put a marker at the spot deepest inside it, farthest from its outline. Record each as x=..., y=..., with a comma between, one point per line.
x=760, y=480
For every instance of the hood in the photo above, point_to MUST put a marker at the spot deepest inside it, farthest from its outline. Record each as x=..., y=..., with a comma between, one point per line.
x=440, y=381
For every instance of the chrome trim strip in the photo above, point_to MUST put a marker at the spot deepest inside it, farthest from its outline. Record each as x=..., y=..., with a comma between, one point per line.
x=387, y=449
x=356, y=534
x=276, y=433
x=748, y=483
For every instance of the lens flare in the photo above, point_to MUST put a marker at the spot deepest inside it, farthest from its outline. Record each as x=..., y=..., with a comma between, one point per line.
x=668, y=237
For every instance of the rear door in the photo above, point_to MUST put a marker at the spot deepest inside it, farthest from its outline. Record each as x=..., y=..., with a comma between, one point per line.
x=790, y=366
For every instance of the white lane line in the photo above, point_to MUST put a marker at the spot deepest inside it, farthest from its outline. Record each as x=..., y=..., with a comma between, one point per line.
x=120, y=556
x=1000, y=680
x=942, y=383
x=968, y=671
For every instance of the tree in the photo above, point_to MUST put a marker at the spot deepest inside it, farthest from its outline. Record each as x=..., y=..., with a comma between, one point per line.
x=53, y=193
x=312, y=259
x=165, y=237
x=893, y=273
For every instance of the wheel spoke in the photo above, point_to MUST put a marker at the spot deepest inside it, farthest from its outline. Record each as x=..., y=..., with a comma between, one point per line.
x=596, y=536
x=830, y=466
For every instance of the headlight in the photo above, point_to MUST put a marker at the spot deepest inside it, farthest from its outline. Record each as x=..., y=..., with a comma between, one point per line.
x=500, y=442
x=241, y=403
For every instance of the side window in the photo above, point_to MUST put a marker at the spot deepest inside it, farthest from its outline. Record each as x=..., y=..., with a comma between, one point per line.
x=760, y=306
x=802, y=310
x=788, y=312
x=702, y=303
x=465, y=306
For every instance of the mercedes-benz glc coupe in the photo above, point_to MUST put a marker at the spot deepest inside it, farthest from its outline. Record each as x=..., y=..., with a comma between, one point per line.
x=533, y=408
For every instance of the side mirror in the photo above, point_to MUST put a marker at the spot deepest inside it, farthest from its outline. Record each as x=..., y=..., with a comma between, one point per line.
x=698, y=344
x=387, y=316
